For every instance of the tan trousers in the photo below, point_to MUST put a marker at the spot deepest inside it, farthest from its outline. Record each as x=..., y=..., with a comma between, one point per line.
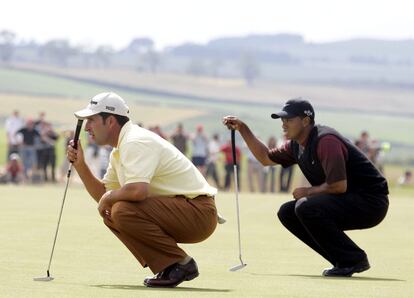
x=151, y=228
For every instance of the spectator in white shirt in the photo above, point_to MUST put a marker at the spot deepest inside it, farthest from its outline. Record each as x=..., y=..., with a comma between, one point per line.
x=12, y=125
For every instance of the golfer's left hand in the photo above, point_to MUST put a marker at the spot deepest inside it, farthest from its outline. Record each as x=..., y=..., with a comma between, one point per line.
x=300, y=192
x=105, y=205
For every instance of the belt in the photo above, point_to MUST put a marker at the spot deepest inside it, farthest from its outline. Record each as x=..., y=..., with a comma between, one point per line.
x=187, y=198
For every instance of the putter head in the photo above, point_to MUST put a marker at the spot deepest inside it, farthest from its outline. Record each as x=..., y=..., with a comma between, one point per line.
x=46, y=278
x=238, y=267
x=220, y=219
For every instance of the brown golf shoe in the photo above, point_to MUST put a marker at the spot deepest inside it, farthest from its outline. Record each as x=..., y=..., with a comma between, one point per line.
x=173, y=275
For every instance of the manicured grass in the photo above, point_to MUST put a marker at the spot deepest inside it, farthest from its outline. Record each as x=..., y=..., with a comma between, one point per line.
x=90, y=262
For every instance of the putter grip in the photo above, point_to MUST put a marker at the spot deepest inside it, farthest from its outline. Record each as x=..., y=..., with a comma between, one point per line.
x=77, y=133
x=233, y=145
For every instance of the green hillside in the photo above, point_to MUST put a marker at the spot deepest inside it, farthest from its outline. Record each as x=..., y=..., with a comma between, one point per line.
x=32, y=92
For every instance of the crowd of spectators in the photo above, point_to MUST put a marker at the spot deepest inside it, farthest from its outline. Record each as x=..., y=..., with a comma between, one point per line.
x=31, y=156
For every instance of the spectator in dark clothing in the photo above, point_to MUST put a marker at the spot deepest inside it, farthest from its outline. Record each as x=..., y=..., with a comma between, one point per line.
x=179, y=139
x=40, y=121
x=30, y=139
x=41, y=146
x=347, y=192
x=49, y=139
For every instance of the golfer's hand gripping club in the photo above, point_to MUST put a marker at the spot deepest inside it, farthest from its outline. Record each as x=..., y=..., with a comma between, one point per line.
x=72, y=148
x=75, y=142
x=77, y=133
x=232, y=122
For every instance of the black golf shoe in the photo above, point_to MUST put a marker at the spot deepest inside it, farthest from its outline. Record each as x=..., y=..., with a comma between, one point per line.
x=173, y=275
x=347, y=271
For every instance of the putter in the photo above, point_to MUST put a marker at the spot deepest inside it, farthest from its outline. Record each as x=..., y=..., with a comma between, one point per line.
x=75, y=145
x=236, y=188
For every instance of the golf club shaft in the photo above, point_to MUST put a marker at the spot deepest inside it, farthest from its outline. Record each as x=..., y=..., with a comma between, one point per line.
x=236, y=187
x=75, y=145
x=60, y=216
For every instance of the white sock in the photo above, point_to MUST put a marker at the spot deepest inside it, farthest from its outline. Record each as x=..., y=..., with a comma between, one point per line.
x=185, y=260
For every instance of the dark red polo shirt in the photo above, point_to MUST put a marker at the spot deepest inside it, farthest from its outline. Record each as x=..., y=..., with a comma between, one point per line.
x=332, y=154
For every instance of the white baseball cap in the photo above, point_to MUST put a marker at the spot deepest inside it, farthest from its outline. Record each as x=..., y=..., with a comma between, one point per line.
x=106, y=102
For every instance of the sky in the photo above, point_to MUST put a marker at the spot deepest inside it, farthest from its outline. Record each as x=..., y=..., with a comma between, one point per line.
x=171, y=22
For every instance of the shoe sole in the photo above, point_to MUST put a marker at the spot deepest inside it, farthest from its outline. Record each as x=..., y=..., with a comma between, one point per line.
x=358, y=270
x=362, y=269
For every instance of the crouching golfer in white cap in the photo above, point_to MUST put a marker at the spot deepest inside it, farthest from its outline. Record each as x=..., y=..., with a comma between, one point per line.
x=151, y=197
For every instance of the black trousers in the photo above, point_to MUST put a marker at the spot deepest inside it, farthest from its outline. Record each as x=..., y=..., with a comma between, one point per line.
x=320, y=222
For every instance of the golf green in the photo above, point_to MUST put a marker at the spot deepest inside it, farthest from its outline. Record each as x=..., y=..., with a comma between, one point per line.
x=90, y=262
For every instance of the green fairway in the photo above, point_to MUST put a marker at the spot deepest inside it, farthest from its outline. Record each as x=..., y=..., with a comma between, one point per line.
x=90, y=262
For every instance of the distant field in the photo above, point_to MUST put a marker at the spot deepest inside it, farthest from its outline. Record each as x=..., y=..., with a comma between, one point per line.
x=60, y=110
x=12, y=81
x=90, y=262
x=366, y=99
x=59, y=97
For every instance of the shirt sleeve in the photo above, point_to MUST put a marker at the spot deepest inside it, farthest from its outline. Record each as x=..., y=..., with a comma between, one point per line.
x=333, y=155
x=282, y=155
x=139, y=161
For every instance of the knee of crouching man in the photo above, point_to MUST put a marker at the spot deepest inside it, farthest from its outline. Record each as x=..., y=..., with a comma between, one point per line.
x=286, y=212
x=306, y=208
x=301, y=207
x=120, y=211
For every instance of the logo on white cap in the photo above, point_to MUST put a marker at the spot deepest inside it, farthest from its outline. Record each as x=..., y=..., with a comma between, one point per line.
x=107, y=102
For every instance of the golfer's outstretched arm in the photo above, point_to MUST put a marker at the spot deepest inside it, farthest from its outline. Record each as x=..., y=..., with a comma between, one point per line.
x=259, y=150
x=93, y=185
